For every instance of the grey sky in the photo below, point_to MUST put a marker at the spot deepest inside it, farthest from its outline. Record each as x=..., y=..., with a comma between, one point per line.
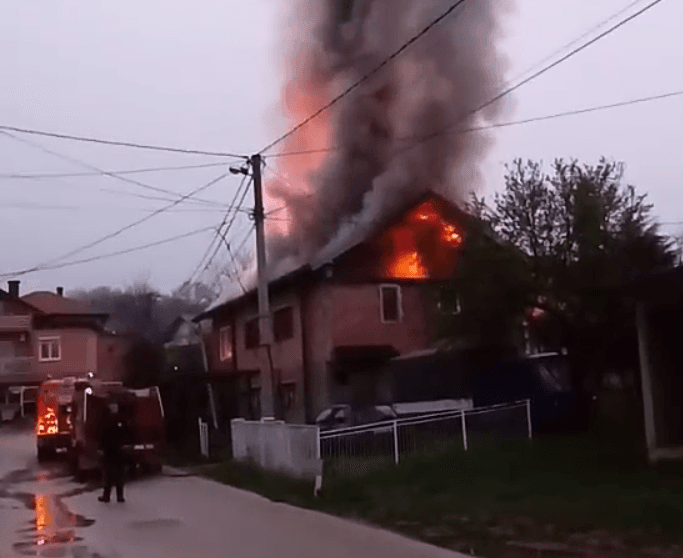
x=206, y=75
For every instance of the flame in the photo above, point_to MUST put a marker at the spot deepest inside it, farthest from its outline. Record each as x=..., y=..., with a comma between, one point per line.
x=292, y=177
x=408, y=265
x=47, y=422
x=423, y=245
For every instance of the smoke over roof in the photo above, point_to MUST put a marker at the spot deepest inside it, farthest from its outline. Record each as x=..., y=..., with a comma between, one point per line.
x=376, y=162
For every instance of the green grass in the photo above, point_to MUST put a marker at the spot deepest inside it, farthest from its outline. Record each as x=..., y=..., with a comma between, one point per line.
x=551, y=489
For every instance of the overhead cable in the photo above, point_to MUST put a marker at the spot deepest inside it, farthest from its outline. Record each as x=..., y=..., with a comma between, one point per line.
x=367, y=76
x=120, y=143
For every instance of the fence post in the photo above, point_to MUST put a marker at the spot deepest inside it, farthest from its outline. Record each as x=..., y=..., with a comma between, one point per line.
x=464, y=429
x=528, y=417
x=203, y=437
x=396, y=442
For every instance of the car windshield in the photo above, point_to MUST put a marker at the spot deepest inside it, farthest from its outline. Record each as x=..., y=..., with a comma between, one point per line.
x=325, y=415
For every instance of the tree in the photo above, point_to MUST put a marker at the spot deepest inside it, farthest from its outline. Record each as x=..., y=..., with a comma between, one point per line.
x=582, y=234
x=483, y=306
x=145, y=315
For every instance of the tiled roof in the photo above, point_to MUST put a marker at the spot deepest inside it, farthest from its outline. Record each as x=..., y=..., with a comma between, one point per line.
x=51, y=303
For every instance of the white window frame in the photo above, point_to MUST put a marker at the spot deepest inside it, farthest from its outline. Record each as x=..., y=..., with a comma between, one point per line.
x=225, y=348
x=399, y=302
x=49, y=341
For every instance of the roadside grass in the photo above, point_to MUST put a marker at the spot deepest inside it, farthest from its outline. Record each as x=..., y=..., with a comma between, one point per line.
x=581, y=489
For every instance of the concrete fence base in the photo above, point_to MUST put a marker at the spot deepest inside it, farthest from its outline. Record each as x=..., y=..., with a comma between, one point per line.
x=290, y=449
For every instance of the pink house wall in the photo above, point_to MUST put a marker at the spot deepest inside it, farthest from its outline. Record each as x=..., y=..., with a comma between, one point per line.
x=333, y=315
x=357, y=318
x=287, y=355
x=78, y=352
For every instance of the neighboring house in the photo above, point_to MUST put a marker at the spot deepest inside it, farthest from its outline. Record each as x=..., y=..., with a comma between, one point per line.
x=339, y=319
x=183, y=348
x=46, y=333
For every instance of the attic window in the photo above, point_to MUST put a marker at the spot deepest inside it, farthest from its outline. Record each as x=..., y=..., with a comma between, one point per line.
x=390, y=303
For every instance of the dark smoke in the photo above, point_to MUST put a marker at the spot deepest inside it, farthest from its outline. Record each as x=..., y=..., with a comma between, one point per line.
x=449, y=72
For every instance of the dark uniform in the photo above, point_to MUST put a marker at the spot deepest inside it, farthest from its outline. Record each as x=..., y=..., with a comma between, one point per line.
x=113, y=437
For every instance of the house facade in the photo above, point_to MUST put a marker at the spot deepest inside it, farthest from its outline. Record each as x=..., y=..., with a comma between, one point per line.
x=47, y=334
x=338, y=321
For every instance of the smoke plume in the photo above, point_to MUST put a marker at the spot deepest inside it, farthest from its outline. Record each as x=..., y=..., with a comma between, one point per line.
x=323, y=199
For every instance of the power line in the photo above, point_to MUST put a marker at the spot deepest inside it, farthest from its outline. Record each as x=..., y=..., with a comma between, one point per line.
x=538, y=73
x=201, y=201
x=517, y=122
x=367, y=76
x=577, y=39
x=41, y=176
x=234, y=261
x=113, y=254
x=216, y=236
x=121, y=143
x=215, y=253
x=94, y=168
x=109, y=236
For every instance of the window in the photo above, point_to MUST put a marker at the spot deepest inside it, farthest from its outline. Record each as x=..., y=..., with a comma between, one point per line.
x=288, y=395
x=390, y=303
x=283, y=324
x=225, y=342
x=252, y=336
x=49, y=348
x=451, y=306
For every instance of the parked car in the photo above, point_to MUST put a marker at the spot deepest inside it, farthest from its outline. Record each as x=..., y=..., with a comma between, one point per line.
x=343, y=416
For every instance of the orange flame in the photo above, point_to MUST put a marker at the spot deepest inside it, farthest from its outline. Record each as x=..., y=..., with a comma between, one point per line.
x=407, y=265
x=293, y=174
x=422, y=245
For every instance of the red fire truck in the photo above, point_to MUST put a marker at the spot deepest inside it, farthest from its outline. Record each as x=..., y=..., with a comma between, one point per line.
x=54, y=419
x=68, y=414
x=143, y=410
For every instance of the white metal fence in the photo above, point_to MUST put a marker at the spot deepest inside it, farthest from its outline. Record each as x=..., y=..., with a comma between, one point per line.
x=357, y=449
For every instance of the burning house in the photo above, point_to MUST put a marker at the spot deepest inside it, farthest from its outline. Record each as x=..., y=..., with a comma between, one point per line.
x=338, y=319
x=362, y=206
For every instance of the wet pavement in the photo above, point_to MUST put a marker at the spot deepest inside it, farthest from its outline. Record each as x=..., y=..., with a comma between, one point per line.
x=44, y=512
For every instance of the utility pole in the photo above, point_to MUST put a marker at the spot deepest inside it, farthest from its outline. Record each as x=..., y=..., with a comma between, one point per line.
x=265, y=326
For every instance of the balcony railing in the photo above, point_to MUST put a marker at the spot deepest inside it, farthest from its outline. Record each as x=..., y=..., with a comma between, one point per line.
x=17, y=369
x=15, y=323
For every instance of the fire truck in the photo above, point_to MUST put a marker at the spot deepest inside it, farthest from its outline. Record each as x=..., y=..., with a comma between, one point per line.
x=68, y=416
x=142, y=409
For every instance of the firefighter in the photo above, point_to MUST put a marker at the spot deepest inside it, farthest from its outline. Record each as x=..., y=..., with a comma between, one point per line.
x=112, y=441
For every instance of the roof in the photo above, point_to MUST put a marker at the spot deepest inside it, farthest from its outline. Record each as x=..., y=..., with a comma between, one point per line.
x=232, y=294
x=51, y=303
x=4, y=295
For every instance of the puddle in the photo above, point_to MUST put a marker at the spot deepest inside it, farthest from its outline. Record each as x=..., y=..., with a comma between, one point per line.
x=53, y=527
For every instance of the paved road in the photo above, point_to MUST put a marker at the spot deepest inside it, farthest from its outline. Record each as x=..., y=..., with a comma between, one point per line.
x=44, y=513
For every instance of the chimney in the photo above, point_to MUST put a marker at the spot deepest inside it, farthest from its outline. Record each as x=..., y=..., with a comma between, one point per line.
x=60, y=291
x=13, y=288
